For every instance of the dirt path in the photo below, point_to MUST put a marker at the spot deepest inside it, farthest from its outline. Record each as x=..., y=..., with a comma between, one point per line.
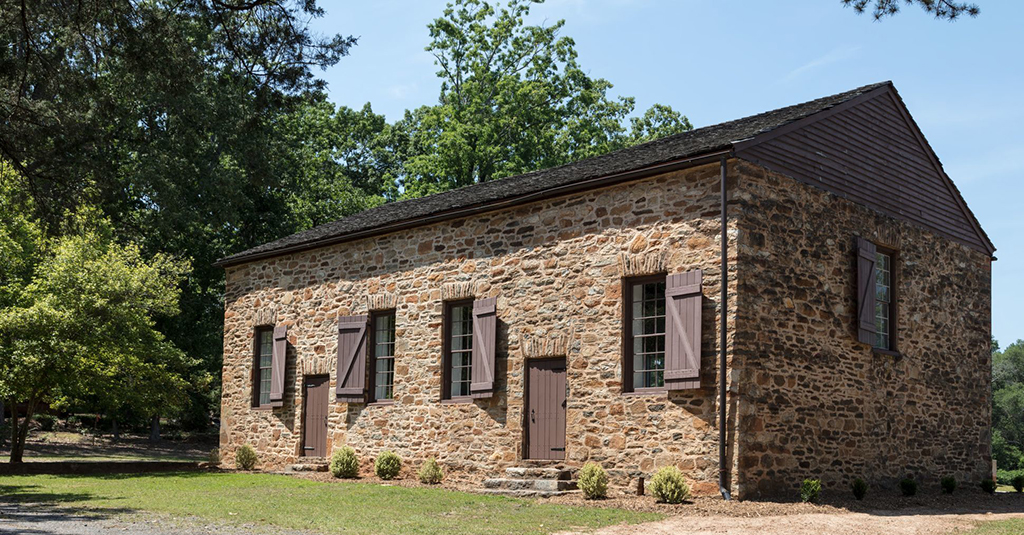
x=905, y=522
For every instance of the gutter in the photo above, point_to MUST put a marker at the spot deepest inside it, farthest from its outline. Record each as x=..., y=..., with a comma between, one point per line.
x=723, y=470
x=575, y=187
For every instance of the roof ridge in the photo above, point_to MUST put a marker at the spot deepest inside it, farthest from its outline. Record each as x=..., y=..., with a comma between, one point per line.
x=692, y=143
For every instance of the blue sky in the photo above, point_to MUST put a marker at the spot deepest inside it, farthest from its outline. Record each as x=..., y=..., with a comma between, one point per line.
x=719, y=60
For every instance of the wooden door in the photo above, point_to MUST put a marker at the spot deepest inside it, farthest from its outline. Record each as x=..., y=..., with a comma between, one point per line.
x=314, y=426
x=545, y=409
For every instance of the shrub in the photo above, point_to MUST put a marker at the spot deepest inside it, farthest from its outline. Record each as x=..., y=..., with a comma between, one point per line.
x=1018, y=483
x=430, y=472
x=387, y=465
x=908, y=486
x=344, y=463
x=668, y=485
x=214, y=458
x=948, y=484
x=593, y=481
x=988, y=486
x=47, y=422
x=245, y=457
x=73, y=422
x=809, y=490
x=860, y=488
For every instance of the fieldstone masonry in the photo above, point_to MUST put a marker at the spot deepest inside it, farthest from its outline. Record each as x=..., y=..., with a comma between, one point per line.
x=805, y=399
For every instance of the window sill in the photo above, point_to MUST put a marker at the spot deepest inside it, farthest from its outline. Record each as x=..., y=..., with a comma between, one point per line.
x=267, y=407
x=457, y=401
x=888, y=352
x=381, y=403
x=646, y=392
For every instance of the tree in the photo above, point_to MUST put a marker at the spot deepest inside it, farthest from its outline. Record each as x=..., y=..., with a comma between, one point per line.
x=940, y=9
x=1008, y=406
x=84, y=324
x=167, y=114
x=513, y=99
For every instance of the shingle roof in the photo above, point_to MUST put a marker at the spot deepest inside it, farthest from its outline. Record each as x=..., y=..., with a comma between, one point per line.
x=700, y=141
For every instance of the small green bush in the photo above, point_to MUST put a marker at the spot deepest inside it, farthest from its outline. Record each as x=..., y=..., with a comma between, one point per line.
x=860, y=488
x=948, y=484
x=809, y=490
x=430, y=472
x=988, y=486
x=73, y=422
x=245, y=457
x=47, y=422
x=344, y=463
x=214, y=457
x=1018, y=483
x=593, y=481
x=387, y=465
x=908, y=486
x=668, y=485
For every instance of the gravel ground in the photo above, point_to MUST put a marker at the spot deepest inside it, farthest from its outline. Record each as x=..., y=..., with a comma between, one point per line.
x=33, y=519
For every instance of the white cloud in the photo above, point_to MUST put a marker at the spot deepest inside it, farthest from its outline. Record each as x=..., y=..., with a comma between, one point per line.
x=834, y=56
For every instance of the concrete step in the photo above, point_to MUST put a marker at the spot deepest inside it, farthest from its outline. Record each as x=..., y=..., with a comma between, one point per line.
x=527, y=493
x=526, y=472
x=545, y=485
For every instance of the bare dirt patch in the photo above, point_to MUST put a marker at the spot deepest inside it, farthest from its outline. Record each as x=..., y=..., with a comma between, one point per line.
x=71, y=446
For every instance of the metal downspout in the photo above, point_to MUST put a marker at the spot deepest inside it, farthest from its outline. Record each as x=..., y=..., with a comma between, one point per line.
x=722, y=460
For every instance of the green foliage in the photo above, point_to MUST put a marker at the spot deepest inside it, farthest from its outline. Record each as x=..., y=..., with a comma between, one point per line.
x=387, y=465
x=245, y=457
x=514, y=98
x=669, y=486
x=47, y=422
x=214, y=457
x=1018, y=483
x=948, y=484
x=344, y=463
x=859, y=488
x=84, y=325
x=593, y=481
x=908, y=486
x=941, y=9
x=1008, y=406
x=988, y=486
x=430, y=473
x=809, y=490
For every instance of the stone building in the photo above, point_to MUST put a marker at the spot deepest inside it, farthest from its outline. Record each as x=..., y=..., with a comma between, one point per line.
x=576, y=314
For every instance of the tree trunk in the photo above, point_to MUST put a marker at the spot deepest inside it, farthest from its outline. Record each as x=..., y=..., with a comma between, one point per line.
x=19, y=433
x=154, y=429
x=114, y=430
x=2, y=417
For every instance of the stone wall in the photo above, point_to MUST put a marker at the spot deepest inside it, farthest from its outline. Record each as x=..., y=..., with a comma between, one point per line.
x=556, y=268
x=816, y=403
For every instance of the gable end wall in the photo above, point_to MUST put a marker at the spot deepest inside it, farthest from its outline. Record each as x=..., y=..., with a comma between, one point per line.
x=816, y=403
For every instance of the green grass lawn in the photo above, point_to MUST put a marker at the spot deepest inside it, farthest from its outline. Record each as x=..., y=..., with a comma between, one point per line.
x=302, y=504
x=999, y=527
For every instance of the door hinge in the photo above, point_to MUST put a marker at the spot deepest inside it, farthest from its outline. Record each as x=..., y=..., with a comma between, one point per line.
x=557, y=449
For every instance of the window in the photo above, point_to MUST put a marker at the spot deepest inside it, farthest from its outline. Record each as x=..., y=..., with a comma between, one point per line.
x=382, y=355
x=644, y=321
x=262, y=364
x=458, y=357
x=884, y=301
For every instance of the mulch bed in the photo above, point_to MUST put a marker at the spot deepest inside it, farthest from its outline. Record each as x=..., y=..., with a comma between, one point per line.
x=964, y=500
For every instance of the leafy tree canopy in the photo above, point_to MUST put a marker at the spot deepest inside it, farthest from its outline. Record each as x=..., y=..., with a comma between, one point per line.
x=941, y=9
x=1008, y=406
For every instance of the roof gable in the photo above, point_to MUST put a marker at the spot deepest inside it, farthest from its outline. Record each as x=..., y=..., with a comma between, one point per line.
x=870, y=151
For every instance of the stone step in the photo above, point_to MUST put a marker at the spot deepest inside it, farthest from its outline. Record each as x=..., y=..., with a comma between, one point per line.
x=526, y=472
x=527, y=493
x=309, y=465
x=545, y=485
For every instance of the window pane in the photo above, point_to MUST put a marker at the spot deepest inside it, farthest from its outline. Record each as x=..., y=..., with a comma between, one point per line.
x=648, y=331
x=384, y=356
x=461, y=350
x=883, y=300
x=264, y=360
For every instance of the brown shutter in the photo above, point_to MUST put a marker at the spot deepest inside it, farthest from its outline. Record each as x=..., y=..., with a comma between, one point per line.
x=277, y=365
x=682, y=330
x=866, y=291
x=351, y=384
x=485, y=324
